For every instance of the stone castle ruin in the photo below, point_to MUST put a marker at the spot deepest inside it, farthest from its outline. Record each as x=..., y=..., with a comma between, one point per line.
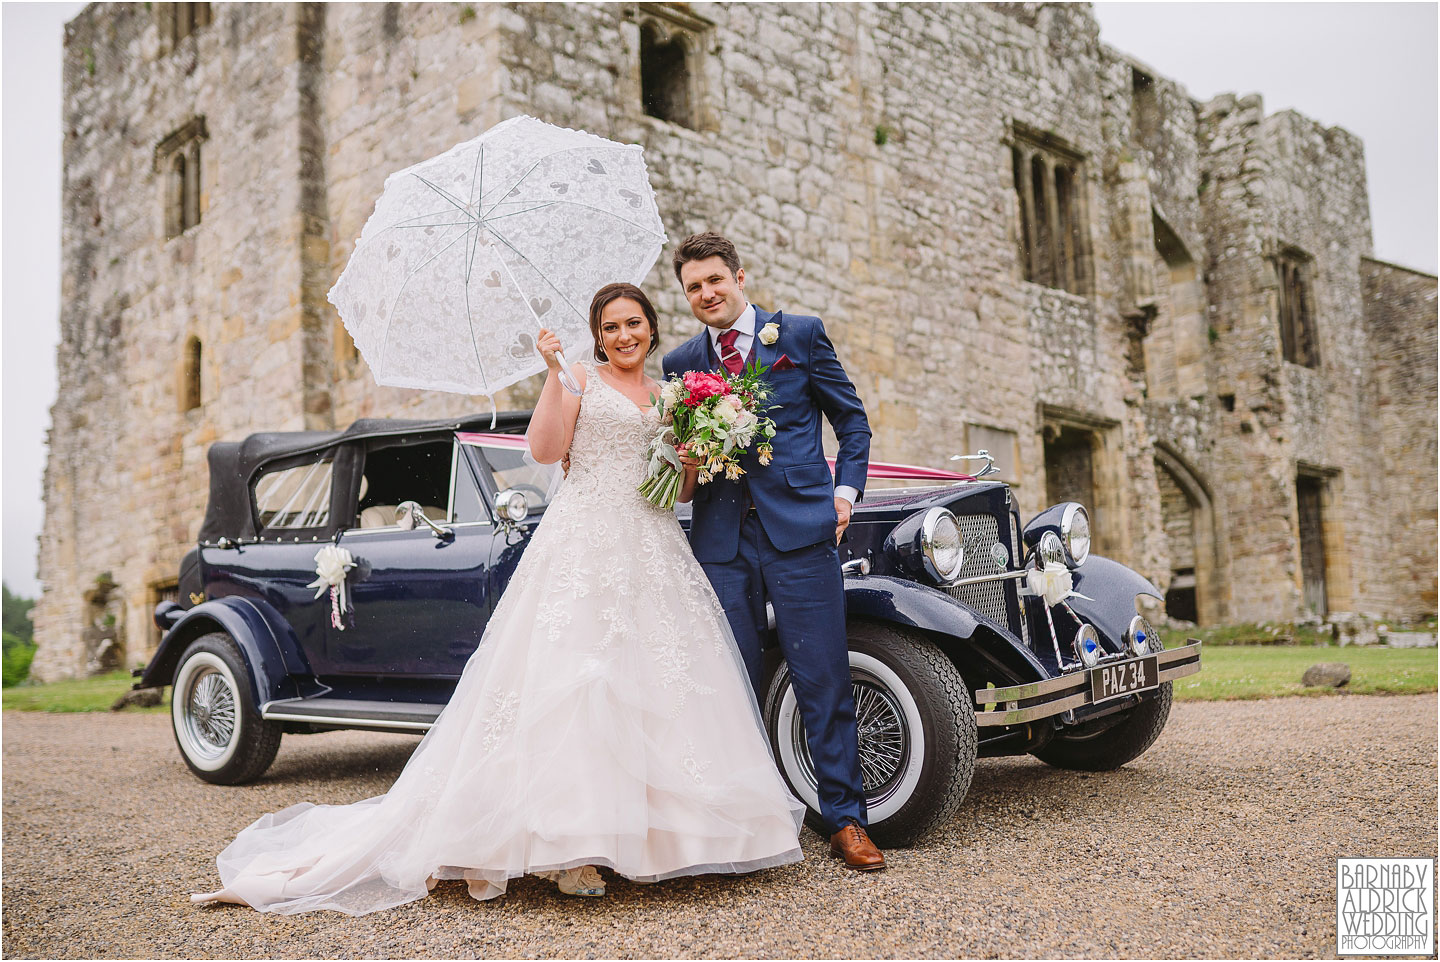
x=1020, y=238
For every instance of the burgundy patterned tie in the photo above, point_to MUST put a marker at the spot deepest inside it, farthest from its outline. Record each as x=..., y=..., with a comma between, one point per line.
x=729, y=356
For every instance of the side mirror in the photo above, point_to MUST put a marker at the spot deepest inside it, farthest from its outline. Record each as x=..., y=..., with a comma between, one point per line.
x=409, y=514
x=511, y=506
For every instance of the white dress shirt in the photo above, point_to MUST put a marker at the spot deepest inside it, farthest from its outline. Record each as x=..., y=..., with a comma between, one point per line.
x=745, y=325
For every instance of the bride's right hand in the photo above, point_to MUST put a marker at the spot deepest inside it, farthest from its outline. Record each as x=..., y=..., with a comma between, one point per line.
x=549, y=345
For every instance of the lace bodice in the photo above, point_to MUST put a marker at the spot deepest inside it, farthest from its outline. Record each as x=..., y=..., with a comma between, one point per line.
x=610, y=447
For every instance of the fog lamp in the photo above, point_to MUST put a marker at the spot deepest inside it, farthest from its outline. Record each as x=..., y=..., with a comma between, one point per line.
x=1052, y=552
x=1087, y=645
x=1141, y=638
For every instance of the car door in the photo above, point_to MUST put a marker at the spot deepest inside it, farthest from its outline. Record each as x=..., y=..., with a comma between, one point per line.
x=503, y=465
x=419, y=602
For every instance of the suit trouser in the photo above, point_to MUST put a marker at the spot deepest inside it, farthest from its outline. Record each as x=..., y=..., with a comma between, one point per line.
x=808, y=593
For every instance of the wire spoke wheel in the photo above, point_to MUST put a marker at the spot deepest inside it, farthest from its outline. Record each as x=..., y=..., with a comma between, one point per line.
x=209, y=713
x=916, y=734
x=884, y=737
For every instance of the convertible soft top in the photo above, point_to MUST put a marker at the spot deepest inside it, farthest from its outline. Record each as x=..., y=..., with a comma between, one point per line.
x=234, y=464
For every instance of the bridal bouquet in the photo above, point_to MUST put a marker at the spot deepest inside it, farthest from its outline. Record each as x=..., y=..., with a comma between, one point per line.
x=713, y=417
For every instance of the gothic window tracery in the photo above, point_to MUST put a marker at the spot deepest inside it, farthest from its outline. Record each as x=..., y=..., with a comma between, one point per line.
x=177, y=21
x=177, y=159
x=1049, y=179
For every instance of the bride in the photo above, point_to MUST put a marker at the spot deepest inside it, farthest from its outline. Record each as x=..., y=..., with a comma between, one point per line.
x=604, y=720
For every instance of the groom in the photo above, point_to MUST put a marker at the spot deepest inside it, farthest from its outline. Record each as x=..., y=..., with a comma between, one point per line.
x=772, y=534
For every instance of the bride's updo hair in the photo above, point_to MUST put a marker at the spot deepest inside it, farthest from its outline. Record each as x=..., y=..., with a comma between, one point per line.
x=614, y=292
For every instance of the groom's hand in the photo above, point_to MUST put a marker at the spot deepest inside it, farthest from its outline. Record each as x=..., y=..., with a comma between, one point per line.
x=842, y=515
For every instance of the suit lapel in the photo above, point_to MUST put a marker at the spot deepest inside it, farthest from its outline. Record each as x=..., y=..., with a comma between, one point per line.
x=697, y=353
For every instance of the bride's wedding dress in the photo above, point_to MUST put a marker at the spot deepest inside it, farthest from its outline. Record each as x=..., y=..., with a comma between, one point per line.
x=604, y=719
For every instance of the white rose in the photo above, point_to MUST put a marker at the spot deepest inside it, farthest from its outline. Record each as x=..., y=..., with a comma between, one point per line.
x=770, y=333
x=672, y=392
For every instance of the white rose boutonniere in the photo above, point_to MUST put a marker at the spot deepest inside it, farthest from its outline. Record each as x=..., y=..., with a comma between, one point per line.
x=769, y=334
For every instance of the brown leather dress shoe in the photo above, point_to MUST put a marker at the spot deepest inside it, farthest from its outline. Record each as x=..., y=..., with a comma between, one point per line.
x=854, y=846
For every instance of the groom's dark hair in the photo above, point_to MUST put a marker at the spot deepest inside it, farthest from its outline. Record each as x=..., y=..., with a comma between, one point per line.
x=697, y=247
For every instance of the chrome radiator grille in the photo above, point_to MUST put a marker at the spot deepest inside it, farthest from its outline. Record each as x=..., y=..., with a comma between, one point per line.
x=980, y=532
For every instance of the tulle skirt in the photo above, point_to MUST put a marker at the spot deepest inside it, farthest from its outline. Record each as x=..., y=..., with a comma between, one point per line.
x=605, y=719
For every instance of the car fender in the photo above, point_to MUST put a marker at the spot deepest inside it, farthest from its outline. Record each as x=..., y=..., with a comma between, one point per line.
x=278, y=668
x=1105, y=595
x=898, y=601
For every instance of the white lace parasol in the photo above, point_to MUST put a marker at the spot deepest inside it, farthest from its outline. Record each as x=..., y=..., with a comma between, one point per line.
x=470, y=253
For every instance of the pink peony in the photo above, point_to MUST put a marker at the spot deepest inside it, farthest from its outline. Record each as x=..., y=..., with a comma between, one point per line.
x=702, y=385
x=736, y=403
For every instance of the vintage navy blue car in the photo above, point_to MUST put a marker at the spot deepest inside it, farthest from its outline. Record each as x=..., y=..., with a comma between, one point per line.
x=953, y=655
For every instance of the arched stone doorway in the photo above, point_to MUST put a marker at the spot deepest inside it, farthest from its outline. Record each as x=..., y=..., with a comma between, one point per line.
x=1196, y=592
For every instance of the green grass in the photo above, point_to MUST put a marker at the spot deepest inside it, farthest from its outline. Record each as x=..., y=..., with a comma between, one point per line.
x=80, y=694
x=1251, y=671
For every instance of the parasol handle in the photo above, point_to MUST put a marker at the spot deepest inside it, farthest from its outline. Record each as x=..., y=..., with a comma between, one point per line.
x=567, y=377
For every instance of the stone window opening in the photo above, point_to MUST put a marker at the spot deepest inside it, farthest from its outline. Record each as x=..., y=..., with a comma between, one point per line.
x=671, y=42
x=1054, y=246
x=190, y=375
x=175, y=206
x=177, y=160
x=1296, y=308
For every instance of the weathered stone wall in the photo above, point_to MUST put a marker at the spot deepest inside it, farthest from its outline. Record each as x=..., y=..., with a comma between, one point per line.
x=859, y=156
x=1400, y=435
x=125, y=481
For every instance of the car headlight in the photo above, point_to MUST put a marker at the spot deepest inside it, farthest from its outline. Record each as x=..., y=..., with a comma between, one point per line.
x=943, y=546
x=1075, y=533
x=1087, y=645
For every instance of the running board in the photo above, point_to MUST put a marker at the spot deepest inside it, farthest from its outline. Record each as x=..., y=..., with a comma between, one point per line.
x=353, y=713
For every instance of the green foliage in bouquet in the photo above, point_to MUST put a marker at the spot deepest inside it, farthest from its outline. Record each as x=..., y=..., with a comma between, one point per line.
x=712, y=417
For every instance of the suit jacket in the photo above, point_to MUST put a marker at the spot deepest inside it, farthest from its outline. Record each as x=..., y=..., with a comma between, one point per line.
x=794, y=495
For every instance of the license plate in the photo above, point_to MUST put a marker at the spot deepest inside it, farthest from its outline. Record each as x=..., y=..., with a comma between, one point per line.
x=1125, y=678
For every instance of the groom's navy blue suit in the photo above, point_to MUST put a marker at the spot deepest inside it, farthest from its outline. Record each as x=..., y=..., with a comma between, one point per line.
x=771, y=536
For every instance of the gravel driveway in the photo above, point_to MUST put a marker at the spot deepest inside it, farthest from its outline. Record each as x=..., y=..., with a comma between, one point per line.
x=1220, y=841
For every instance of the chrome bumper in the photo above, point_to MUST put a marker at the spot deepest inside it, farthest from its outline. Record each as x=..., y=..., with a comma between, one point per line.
x=1041, y=699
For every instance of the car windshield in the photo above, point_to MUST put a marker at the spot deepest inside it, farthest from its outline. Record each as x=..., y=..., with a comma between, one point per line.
x=511, y=466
